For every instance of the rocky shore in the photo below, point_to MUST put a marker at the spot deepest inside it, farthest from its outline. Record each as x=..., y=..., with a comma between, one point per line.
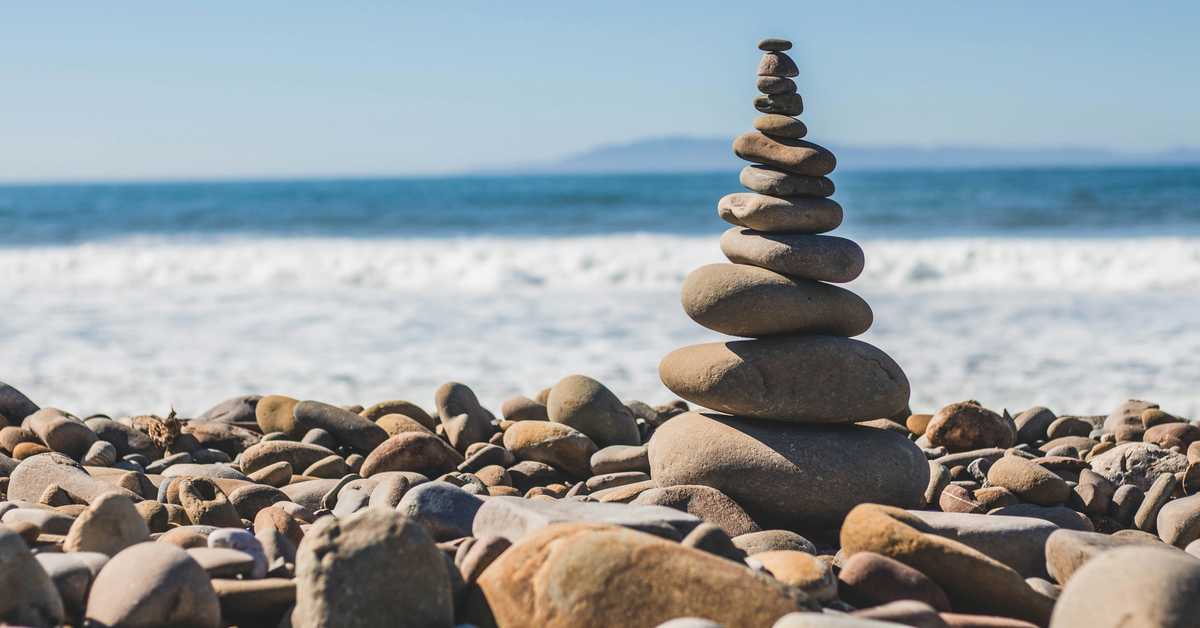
x=574, y=508
x=792, y=485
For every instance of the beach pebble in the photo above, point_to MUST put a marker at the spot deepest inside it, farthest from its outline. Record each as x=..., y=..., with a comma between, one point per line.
x=60, y=432
x=966, y=425
x=373, y=568
x=775, y=85
x=973, y=581
x=1128, y=414
x=1068, y=550
x=29, y=597
x=774, y=44
x=110, y=524
x=585, y=575
x=348, y=428
x=776, y=63
x=223, y=562
x=585, y=404
x=513, y=517
x=791, y=379
x=522, y=408
x=1168, y=435
x=298, y=455
x=240, y=409
x=72, y=575
x=31, y=478
x=619, y=458
x=771, y=214
x=800, y=256
x=153, y=584
x=870, y=579
x=446, y=511
x=748, y=301
x=781, y=474
x=1032, y=424
x=780, y=104
x=254, y=602
x=463, y=419
x=415, y=452
x=776, y=182
x=1137, y=463
x=245, y=542
x=1018, y=542
x=399, y=406
x=705, y=502
x=14, y=405
x=803, y=571
x=1178, y=521
x=1029, y=481
x=1060, y=516
x=793, y=155
x=555, y=444
x=780, y=126
x=1132, y=586
x=772, y=541
x=206, y=504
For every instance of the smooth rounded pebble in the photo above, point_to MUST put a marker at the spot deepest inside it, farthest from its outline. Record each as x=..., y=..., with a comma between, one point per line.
x=800, y=379
x=153, y=584
x=801, y=256
x=1132, y=587
x=748, y=301
x=776, y=182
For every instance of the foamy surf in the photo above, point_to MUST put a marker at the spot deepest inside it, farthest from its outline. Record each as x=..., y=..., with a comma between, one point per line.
x=137, y=325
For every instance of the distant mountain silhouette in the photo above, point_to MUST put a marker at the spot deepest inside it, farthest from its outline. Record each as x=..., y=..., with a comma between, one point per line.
x=696, y=154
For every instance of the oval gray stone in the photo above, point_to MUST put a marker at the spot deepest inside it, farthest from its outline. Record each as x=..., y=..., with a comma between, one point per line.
x=800, y=379
x=796, y=214
x=816, y=257
x=752, y=302
x=776, y=182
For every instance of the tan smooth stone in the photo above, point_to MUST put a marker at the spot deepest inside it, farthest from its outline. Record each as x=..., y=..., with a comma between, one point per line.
x=796, y=214
x=818, y=257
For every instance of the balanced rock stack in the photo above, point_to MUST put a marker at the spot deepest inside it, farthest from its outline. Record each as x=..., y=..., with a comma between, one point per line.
x=789, y=392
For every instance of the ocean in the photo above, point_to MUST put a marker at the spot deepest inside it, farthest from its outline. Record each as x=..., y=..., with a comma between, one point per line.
x=1073, y=289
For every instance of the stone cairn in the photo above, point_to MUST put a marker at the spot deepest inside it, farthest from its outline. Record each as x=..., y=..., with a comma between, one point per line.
x=800, y=366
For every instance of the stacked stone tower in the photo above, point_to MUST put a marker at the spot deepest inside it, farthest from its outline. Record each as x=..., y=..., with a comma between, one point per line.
x=800, y=364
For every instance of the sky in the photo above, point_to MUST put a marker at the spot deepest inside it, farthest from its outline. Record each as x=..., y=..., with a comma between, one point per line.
x=157, y=90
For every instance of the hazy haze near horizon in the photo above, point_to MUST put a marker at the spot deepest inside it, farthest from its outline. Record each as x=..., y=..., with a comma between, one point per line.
x=145, y=90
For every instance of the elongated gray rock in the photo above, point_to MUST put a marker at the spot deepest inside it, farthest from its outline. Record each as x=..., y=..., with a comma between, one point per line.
x=796, y=156
x=795, y=214
x=1019, y=542
x=817, y=257
x=754, y=302
x=776, y=182
x=803, y=379
x=515, y=517
x=350, y=429
x=31, y=478
x=798, y=477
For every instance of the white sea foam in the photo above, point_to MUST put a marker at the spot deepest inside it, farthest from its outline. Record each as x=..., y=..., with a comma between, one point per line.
x=135, y=325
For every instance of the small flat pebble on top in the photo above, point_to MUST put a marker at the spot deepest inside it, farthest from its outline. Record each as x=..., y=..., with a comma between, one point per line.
x=774, y=44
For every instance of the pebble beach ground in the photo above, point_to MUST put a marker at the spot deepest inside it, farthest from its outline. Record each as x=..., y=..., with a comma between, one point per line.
x=572, y=508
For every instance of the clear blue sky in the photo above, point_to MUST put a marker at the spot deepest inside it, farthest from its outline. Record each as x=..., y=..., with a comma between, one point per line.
x=95, y=90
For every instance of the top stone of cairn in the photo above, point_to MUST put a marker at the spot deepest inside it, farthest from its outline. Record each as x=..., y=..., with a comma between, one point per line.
x=774, y=44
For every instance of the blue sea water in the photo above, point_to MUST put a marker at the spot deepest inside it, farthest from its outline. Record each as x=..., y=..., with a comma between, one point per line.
x=896, y=203
x=1073, y=289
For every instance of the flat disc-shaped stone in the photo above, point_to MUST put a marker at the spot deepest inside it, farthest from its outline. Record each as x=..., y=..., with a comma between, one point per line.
x=774, y=44
x=775, y=85
x=754, y=302
x=776, y=182
x=777, y=64
x=796, y=214
x=795, y=156
x=776, y=125
x=797, y=379
x=783, y=104
x=819, y=257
